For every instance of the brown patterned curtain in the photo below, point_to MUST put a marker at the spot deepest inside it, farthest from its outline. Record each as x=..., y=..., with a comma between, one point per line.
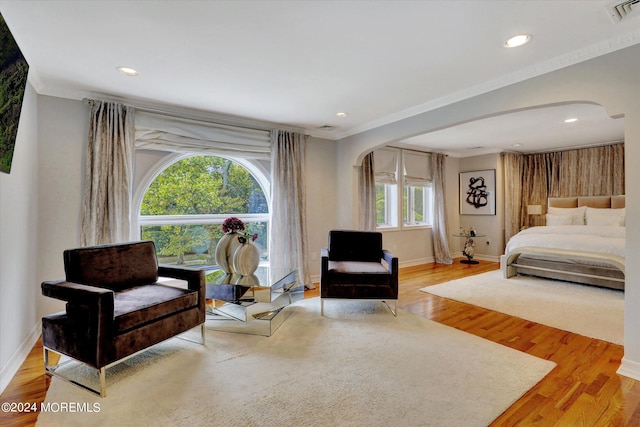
x=513, y=165
x=596, y=171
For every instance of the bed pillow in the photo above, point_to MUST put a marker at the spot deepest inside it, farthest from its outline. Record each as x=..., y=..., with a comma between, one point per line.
x=564, y=219
x=608, y=217
x=577, y=214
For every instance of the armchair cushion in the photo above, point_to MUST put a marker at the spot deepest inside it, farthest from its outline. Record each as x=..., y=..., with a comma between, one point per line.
x=358, y=273
x=345, y=245
x=142, y=304
x=114, y=267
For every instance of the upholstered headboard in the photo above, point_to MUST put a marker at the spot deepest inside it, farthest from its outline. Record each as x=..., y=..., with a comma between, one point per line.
x=603, y=202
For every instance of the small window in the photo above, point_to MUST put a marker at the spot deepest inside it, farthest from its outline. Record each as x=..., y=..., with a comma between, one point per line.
x=386, y=205
x=417, y=206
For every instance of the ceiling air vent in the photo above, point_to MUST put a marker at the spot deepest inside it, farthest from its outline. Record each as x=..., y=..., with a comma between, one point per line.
x=623, y=9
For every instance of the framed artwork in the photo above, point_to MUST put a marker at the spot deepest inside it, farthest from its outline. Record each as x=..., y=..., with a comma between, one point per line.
x=478, y=192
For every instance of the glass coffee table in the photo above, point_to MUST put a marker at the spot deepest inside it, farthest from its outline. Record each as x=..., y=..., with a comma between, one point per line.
x=251, y=304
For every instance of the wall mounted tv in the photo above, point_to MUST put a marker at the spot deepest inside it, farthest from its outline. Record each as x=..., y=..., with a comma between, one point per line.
x=13, y=81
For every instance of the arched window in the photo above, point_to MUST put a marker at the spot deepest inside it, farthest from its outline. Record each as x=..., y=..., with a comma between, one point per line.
x=184, y=206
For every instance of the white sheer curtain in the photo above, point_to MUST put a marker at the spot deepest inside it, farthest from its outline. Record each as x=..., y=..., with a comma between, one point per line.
x=106, y=201
x=288, y=236
x=440, y=232
x=367, y=194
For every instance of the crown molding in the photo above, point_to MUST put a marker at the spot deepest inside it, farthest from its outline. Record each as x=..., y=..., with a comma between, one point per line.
x=593, y=51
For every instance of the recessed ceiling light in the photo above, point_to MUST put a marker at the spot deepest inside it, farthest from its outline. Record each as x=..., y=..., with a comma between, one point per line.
x=127, y=71
x=518, y=40
x=571, y=120
x=517, y=145
x=341, y=115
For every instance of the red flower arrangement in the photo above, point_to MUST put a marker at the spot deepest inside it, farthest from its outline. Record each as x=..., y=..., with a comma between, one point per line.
x=234, y=224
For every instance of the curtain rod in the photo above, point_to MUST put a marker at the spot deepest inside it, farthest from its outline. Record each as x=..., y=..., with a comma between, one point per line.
x=204, y=116
x=412, y=149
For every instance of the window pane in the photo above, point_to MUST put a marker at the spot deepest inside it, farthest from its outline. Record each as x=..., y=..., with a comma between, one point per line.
x=214, y=188
x=386, y=205
x=204, y=185
x=381, y=216
x=417, y=206
x=195, y=244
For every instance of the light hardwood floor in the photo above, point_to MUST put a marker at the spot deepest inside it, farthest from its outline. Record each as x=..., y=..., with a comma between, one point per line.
x=583, y=390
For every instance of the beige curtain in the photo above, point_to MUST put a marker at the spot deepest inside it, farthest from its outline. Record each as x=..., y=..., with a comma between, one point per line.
x=512, y=166
x=440, y=231
x=367, y=194
x=288, y=235
x=106, y=205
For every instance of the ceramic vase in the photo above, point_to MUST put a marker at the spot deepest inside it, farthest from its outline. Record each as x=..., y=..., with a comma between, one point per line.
x=246, y=259
x=227, y=245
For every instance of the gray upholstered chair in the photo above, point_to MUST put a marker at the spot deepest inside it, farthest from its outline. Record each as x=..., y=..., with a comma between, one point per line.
x=352, y=268
x=116, y=306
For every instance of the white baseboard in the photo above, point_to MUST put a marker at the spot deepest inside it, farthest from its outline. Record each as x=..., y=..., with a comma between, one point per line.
x=491, y=258
x=414, y=262
x=630, y=369
x=19, y=356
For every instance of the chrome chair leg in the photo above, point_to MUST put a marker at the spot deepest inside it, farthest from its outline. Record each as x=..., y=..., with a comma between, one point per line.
x=51, y=370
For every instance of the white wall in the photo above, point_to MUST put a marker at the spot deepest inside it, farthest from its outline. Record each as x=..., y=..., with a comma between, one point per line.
x=491, y=225
x=322, y=186
x=63, y=126
x=18, y=245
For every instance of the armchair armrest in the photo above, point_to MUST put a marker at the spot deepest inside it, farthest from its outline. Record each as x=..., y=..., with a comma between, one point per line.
x=392, y=261
x=76, y=293
x=195, y=278
x=324, y=266
x=324, y=257
x=90, y=310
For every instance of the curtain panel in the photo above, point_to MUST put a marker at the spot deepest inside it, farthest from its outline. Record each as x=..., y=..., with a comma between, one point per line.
x=367, y=193
x=106, y=204
x=513, y=164
x=440, y=229
x=288, y=235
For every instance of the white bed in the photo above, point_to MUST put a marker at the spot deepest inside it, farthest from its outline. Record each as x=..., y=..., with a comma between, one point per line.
x=584, y=244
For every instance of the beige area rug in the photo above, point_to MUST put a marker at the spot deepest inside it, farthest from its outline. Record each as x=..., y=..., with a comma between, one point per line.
x=586, y=310
x=357, y=366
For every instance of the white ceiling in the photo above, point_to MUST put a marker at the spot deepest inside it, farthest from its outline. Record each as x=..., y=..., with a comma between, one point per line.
x=298, y=63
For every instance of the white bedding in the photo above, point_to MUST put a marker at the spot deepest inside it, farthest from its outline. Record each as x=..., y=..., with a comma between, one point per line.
x=596, y=239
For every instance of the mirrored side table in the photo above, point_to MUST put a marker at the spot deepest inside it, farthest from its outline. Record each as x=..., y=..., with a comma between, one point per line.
x=251, y=304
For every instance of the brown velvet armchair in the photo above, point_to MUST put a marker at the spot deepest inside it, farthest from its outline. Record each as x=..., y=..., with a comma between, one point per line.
x=352, y=268
x=116, y=306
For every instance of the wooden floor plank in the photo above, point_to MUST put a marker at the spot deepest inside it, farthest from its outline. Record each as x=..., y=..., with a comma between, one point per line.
x=583, y=390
